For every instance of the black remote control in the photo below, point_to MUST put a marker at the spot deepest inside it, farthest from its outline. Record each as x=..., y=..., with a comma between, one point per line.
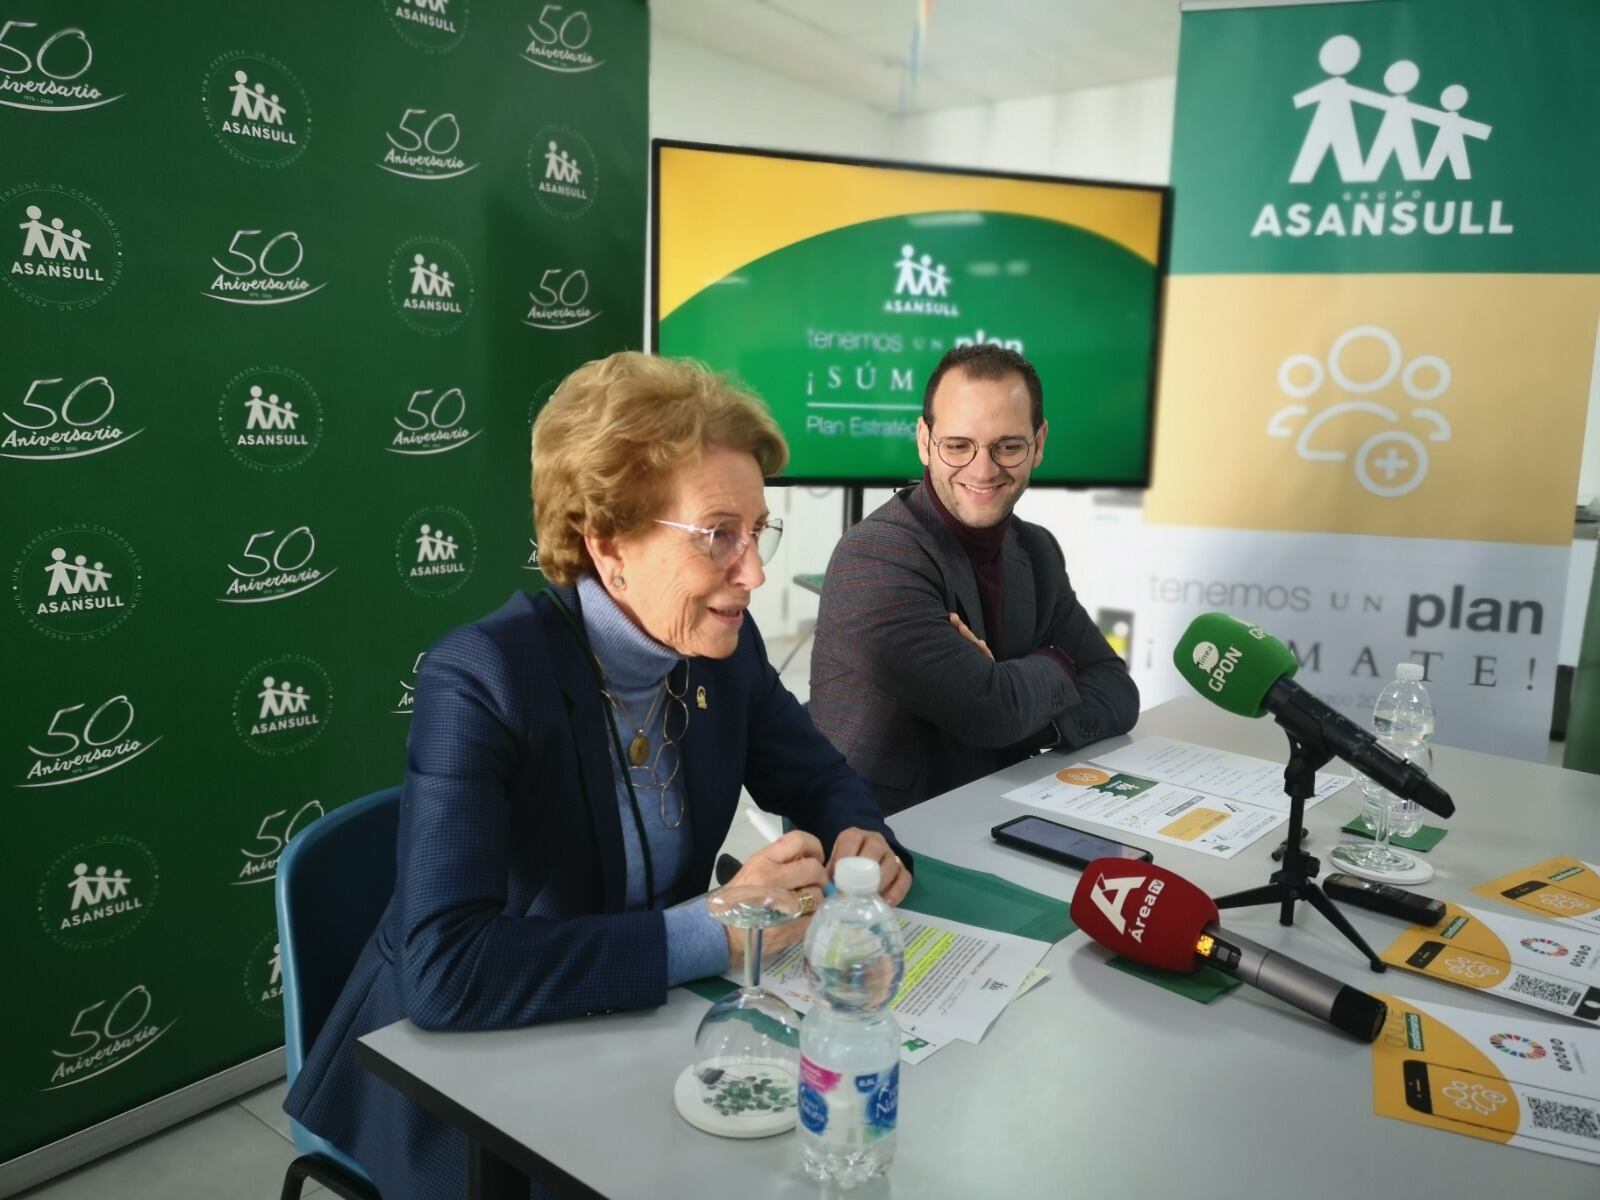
x=1384, y=898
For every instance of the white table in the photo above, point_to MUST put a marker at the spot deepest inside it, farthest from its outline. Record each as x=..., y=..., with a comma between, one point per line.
x=1096, y=1084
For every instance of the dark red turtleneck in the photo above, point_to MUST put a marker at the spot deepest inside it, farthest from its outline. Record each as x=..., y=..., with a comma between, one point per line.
x=983, y=547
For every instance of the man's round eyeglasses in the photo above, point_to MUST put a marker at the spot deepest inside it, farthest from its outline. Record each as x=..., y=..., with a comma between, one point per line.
x=726, y=542
x=1006, y=451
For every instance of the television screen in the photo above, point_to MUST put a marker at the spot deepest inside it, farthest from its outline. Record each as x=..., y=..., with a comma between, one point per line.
x=831, y=288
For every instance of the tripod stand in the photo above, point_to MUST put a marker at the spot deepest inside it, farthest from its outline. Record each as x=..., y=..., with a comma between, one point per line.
x=1295, y=880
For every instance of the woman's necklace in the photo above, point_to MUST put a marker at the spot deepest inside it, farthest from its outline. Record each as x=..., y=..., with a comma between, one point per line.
x=639, y=747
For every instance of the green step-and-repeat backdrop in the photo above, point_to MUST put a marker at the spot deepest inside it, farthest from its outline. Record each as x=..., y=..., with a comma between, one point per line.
x=283, y=288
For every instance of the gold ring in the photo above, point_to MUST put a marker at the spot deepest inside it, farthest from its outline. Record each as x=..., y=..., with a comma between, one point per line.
x=808, y=902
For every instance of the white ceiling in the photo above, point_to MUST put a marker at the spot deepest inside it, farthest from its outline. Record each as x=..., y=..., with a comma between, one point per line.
x=975, y=50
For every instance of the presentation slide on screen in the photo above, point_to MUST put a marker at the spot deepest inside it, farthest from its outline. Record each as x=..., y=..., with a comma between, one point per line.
x=832, y=289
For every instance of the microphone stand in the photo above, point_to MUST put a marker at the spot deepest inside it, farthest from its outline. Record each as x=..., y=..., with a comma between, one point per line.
x=1296, y=879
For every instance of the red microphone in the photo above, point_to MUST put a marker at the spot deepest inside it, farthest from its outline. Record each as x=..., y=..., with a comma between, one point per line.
x=1147, y=913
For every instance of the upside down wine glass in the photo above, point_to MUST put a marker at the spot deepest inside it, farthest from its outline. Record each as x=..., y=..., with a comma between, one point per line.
x=743, y=1082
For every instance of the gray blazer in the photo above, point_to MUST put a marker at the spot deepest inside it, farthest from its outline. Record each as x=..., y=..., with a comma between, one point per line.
x=917, y=709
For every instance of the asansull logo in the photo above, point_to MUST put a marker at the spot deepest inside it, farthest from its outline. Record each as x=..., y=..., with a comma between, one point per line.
x=44, y=69
x=563, y=171
x=263, y=976
x=434, y=422
x=1516, y=1045
x=424, y=147
x=274, y=565
x=56, y=421
x=559, y=41
x=104, y=1035
x=560, y=300
x=270, y=418
x=1393, y=461
x=436, y=26
x=404, y=706
x=260, y=267
x=436, y=550
x=921, y=286
x=256, y=109
x=79, y=742
x=430, y=284
x=276, y=830
x=1543, y=945
x=66, y=252
x=77, y=581
x=1393, y=168
x=98, y=892
x=282, y=704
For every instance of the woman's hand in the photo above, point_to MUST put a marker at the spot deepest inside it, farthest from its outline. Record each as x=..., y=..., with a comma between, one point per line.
x=794, y=861
x=894, y=880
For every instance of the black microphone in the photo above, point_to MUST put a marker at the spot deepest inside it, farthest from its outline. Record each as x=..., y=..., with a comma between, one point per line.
x=1245, y=670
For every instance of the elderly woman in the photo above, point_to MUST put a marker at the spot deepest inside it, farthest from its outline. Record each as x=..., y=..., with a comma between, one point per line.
x=575, y=758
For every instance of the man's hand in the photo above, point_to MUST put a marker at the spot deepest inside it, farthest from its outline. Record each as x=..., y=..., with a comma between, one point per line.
x=970, y=636
x=794, y=861
x=894, y=881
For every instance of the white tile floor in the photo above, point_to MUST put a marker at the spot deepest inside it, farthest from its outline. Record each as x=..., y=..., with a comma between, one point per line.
x=240, y=1150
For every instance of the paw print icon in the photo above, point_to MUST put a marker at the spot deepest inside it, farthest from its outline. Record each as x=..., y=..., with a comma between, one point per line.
x=1393, y=460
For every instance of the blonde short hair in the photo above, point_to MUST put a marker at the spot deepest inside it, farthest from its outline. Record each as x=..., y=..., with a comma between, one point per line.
x=613, y=435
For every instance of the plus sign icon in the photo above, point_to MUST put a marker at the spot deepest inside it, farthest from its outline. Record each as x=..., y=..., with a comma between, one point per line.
x=1369, y=380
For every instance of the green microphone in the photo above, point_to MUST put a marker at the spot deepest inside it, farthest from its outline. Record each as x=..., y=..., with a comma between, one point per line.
x=1247, y=671
x=1232, y=664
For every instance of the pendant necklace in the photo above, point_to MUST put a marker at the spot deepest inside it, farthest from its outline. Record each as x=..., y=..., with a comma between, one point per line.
x=639, y=747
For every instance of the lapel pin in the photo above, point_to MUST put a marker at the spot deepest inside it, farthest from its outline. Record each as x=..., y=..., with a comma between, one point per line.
x=700, y=697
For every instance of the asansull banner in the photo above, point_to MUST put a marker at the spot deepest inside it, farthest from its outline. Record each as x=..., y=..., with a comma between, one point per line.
x=1380, y=342
x=282, y=288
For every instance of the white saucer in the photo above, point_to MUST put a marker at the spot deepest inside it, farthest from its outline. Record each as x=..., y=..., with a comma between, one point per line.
x=1420, y=871
x=692, y=1107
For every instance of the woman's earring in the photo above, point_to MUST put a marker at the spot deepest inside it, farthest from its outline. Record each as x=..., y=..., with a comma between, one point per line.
x=618, y=582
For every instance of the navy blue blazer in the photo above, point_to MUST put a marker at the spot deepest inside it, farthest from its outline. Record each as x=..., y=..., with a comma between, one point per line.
x=510, y=873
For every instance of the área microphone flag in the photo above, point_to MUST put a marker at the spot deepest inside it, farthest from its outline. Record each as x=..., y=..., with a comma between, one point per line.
x=1147, y=913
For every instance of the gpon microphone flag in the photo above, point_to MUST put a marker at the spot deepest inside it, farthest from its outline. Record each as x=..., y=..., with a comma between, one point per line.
x=1232, y=663
x=1143, y=912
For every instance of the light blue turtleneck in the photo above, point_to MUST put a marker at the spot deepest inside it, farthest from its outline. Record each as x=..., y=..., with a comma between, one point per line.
x=634, y=664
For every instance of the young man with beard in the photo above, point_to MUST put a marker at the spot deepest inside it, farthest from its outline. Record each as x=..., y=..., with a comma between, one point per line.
x=949, y=642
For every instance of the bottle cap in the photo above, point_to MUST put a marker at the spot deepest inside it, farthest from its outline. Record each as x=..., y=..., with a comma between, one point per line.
x=1412, y=672
x=856, y=876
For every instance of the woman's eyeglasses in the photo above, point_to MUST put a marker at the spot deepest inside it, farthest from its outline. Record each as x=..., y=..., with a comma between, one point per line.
x=726, y=542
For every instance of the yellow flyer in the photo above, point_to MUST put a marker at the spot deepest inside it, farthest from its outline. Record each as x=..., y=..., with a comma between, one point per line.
x=1529, y=962
x=1520, y=1083
x=1559, y=889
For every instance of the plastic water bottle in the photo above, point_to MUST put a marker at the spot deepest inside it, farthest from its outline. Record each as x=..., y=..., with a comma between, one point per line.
x=1403, y=719
x=849, y=1041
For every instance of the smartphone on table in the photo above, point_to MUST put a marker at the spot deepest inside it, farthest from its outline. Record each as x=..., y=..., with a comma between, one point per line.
x=1062, y=843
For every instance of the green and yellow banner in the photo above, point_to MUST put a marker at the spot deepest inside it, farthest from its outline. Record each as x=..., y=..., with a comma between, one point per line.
x=1380, y=345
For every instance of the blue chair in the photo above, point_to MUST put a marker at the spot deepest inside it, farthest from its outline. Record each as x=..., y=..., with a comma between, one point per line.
x=333, y=882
